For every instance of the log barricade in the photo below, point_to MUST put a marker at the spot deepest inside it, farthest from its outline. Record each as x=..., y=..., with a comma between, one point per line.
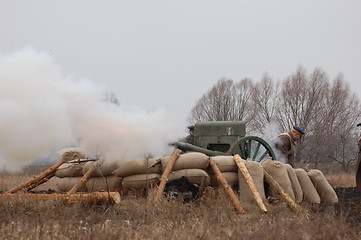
x=94, y=197
x=36, y=181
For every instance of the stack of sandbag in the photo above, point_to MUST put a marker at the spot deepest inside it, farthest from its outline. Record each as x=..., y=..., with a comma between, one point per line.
x=296, y=186
x=278, y=172
x=228, y=168
x=68, y=154
x=139, y=174
x=326, y=192
x=102, y=179
x=310, y=194
x=255, y=169
x=235, y=179
x=190, y=165
x=70, y=170
x=69, y=174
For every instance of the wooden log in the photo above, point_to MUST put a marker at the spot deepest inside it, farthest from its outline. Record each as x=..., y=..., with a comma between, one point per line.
x=37, y=180
x=95, y=197
x=223, y=182
x=249, y=181
x=282, y=193
x=166, y=172
x=86, y=176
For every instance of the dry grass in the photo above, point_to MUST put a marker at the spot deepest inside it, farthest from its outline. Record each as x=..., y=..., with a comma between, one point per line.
x=341, y=179
x=137, y=218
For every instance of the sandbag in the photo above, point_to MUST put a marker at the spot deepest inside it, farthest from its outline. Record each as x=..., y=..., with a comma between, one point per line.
x=231, y=177
x=136, y=167
x=105, y=169
x=103, y=184
x=68, y=154
x=141, y=181
x=66, y=183
x=225, y=163
x=70, y=170
x=194, y=176
x=255, y=169
x=278, y=172
x=190, y=160
x=324, y=189
x=310, y=194
x=295, y=183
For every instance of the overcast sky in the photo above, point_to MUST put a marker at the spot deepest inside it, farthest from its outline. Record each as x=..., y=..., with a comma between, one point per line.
x=166, y=54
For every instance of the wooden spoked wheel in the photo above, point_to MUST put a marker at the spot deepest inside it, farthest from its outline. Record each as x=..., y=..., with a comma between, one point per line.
x=252, y=148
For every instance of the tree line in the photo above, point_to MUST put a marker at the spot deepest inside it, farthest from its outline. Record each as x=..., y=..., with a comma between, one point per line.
x=327, y=109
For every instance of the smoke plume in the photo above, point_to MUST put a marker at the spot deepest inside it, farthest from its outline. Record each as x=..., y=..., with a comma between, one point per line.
x=43, y=111
x=270, y=133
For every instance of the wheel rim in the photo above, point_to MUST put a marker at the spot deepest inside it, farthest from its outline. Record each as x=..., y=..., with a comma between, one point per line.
x=252, y=148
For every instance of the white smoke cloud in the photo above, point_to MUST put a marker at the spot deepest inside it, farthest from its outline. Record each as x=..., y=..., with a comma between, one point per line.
x=42, y=111
x=270, y=133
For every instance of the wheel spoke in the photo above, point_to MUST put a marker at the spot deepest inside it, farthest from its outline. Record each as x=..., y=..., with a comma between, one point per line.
x=263, y=155
x=241, y=147
x=249, y=148
x=256, y=151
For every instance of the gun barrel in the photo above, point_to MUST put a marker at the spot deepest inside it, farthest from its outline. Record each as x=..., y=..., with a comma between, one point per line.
x=189, y=147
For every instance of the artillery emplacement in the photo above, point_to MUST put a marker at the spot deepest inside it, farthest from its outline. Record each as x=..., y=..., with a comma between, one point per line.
x=220, y=155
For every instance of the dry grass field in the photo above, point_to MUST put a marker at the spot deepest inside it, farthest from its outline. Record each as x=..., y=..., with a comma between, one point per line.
x=210, y=217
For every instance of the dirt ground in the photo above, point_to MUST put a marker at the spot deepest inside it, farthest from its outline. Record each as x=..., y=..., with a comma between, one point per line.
x=349, y=204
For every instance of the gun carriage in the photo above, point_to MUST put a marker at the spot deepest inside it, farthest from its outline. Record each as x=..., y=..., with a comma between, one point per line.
x=226, y=138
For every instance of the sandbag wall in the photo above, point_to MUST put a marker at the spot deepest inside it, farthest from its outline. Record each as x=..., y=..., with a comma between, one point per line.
x=301, y=186
x=229, y=170
x=147, y=173
x=306, y=187
x=70, y=173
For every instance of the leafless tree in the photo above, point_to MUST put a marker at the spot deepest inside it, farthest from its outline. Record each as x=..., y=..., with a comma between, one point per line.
x=339, y=116
x=301, y=102
x=265, y=99
x=225, y=101
x=214, y=105
x=328, y=111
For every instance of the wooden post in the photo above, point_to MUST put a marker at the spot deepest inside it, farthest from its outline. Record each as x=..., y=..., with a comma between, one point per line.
x=86, y=176
x=164, y=178
x=223, y=182
x=94, y=197
x=249, y=181
x=37, y=180
x=273, y=184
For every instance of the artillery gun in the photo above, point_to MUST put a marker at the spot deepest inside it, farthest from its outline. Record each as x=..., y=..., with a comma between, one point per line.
x=226, y=138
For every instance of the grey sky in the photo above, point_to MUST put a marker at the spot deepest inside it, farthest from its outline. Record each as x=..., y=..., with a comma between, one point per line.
x=168, y=53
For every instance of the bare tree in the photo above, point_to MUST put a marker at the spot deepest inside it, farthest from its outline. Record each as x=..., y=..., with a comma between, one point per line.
x=339, y=116
x=265, y=99
x=242, y=100
x=214, y=105
x=301, y=102
x=225, y=101
x=293, y=96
